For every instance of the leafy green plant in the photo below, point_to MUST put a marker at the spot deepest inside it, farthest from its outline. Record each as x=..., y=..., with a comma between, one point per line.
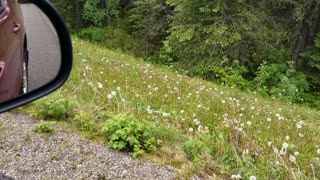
x=281, y=80
x=312, y=62
x=112, y=38
x=269, y=75
x=125, y=133
x=195, y=148
x=84, y=122
x=291, y=89
x=99, y=13
x=94, y=34
x=53, y=107
x=44, y=127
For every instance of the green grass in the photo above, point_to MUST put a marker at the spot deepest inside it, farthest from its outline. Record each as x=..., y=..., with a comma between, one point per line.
x=234, y=132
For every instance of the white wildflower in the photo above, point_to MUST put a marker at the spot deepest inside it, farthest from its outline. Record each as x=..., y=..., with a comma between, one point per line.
x=196, y=122
x=246, y=151
x=285, y=145
x=282, y=151
x=287, y=138
x=190, y=129
x=236, y=176
x=113, y=93
x=100, y=86
x=165, y=114
x=252, y=178
x=292, y=158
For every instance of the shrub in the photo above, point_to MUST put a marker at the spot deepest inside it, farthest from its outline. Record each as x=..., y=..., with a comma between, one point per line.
x=55, y=108
x=311, y=66
x=94, y=34
x=93, y=14
x=230, y=75
x=281, y=80
x=269, y=75
x=44, y=127
x=312, y=100
x=111, y=38
x=292, y=89
x=125, y=133
x=83, y=122
x=195, y=148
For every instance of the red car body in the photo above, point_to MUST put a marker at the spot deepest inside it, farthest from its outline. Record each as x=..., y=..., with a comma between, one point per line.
x=12, y=49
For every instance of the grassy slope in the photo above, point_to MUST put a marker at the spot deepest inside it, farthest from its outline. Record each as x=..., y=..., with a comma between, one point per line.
x=242, y=130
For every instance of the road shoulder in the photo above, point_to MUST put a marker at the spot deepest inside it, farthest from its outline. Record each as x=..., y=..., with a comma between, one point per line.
x=64, y=155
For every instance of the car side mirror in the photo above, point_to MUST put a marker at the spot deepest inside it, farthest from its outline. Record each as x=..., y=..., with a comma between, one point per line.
x=35, y=51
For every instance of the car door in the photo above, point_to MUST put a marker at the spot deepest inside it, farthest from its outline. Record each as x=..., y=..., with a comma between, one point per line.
x=11, y=50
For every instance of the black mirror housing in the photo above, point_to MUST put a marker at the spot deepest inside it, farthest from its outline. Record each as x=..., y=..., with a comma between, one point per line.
x=66, y=58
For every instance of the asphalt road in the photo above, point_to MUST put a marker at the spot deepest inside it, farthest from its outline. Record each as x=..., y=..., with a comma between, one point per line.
x=43, y=46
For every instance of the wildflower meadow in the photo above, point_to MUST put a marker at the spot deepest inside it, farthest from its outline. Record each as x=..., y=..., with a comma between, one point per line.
x=202, y=128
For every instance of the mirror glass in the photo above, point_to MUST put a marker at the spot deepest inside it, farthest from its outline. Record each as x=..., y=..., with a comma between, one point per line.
x=29, y=49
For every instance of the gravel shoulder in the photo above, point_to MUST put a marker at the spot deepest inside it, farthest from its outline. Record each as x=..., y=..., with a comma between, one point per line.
x=64, y=155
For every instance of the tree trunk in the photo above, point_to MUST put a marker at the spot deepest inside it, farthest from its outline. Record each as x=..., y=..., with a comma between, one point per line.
x=306, y=31
x=77, y=13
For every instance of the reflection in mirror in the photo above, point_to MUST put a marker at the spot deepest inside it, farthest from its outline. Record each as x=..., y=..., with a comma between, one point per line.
x=29, y=49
